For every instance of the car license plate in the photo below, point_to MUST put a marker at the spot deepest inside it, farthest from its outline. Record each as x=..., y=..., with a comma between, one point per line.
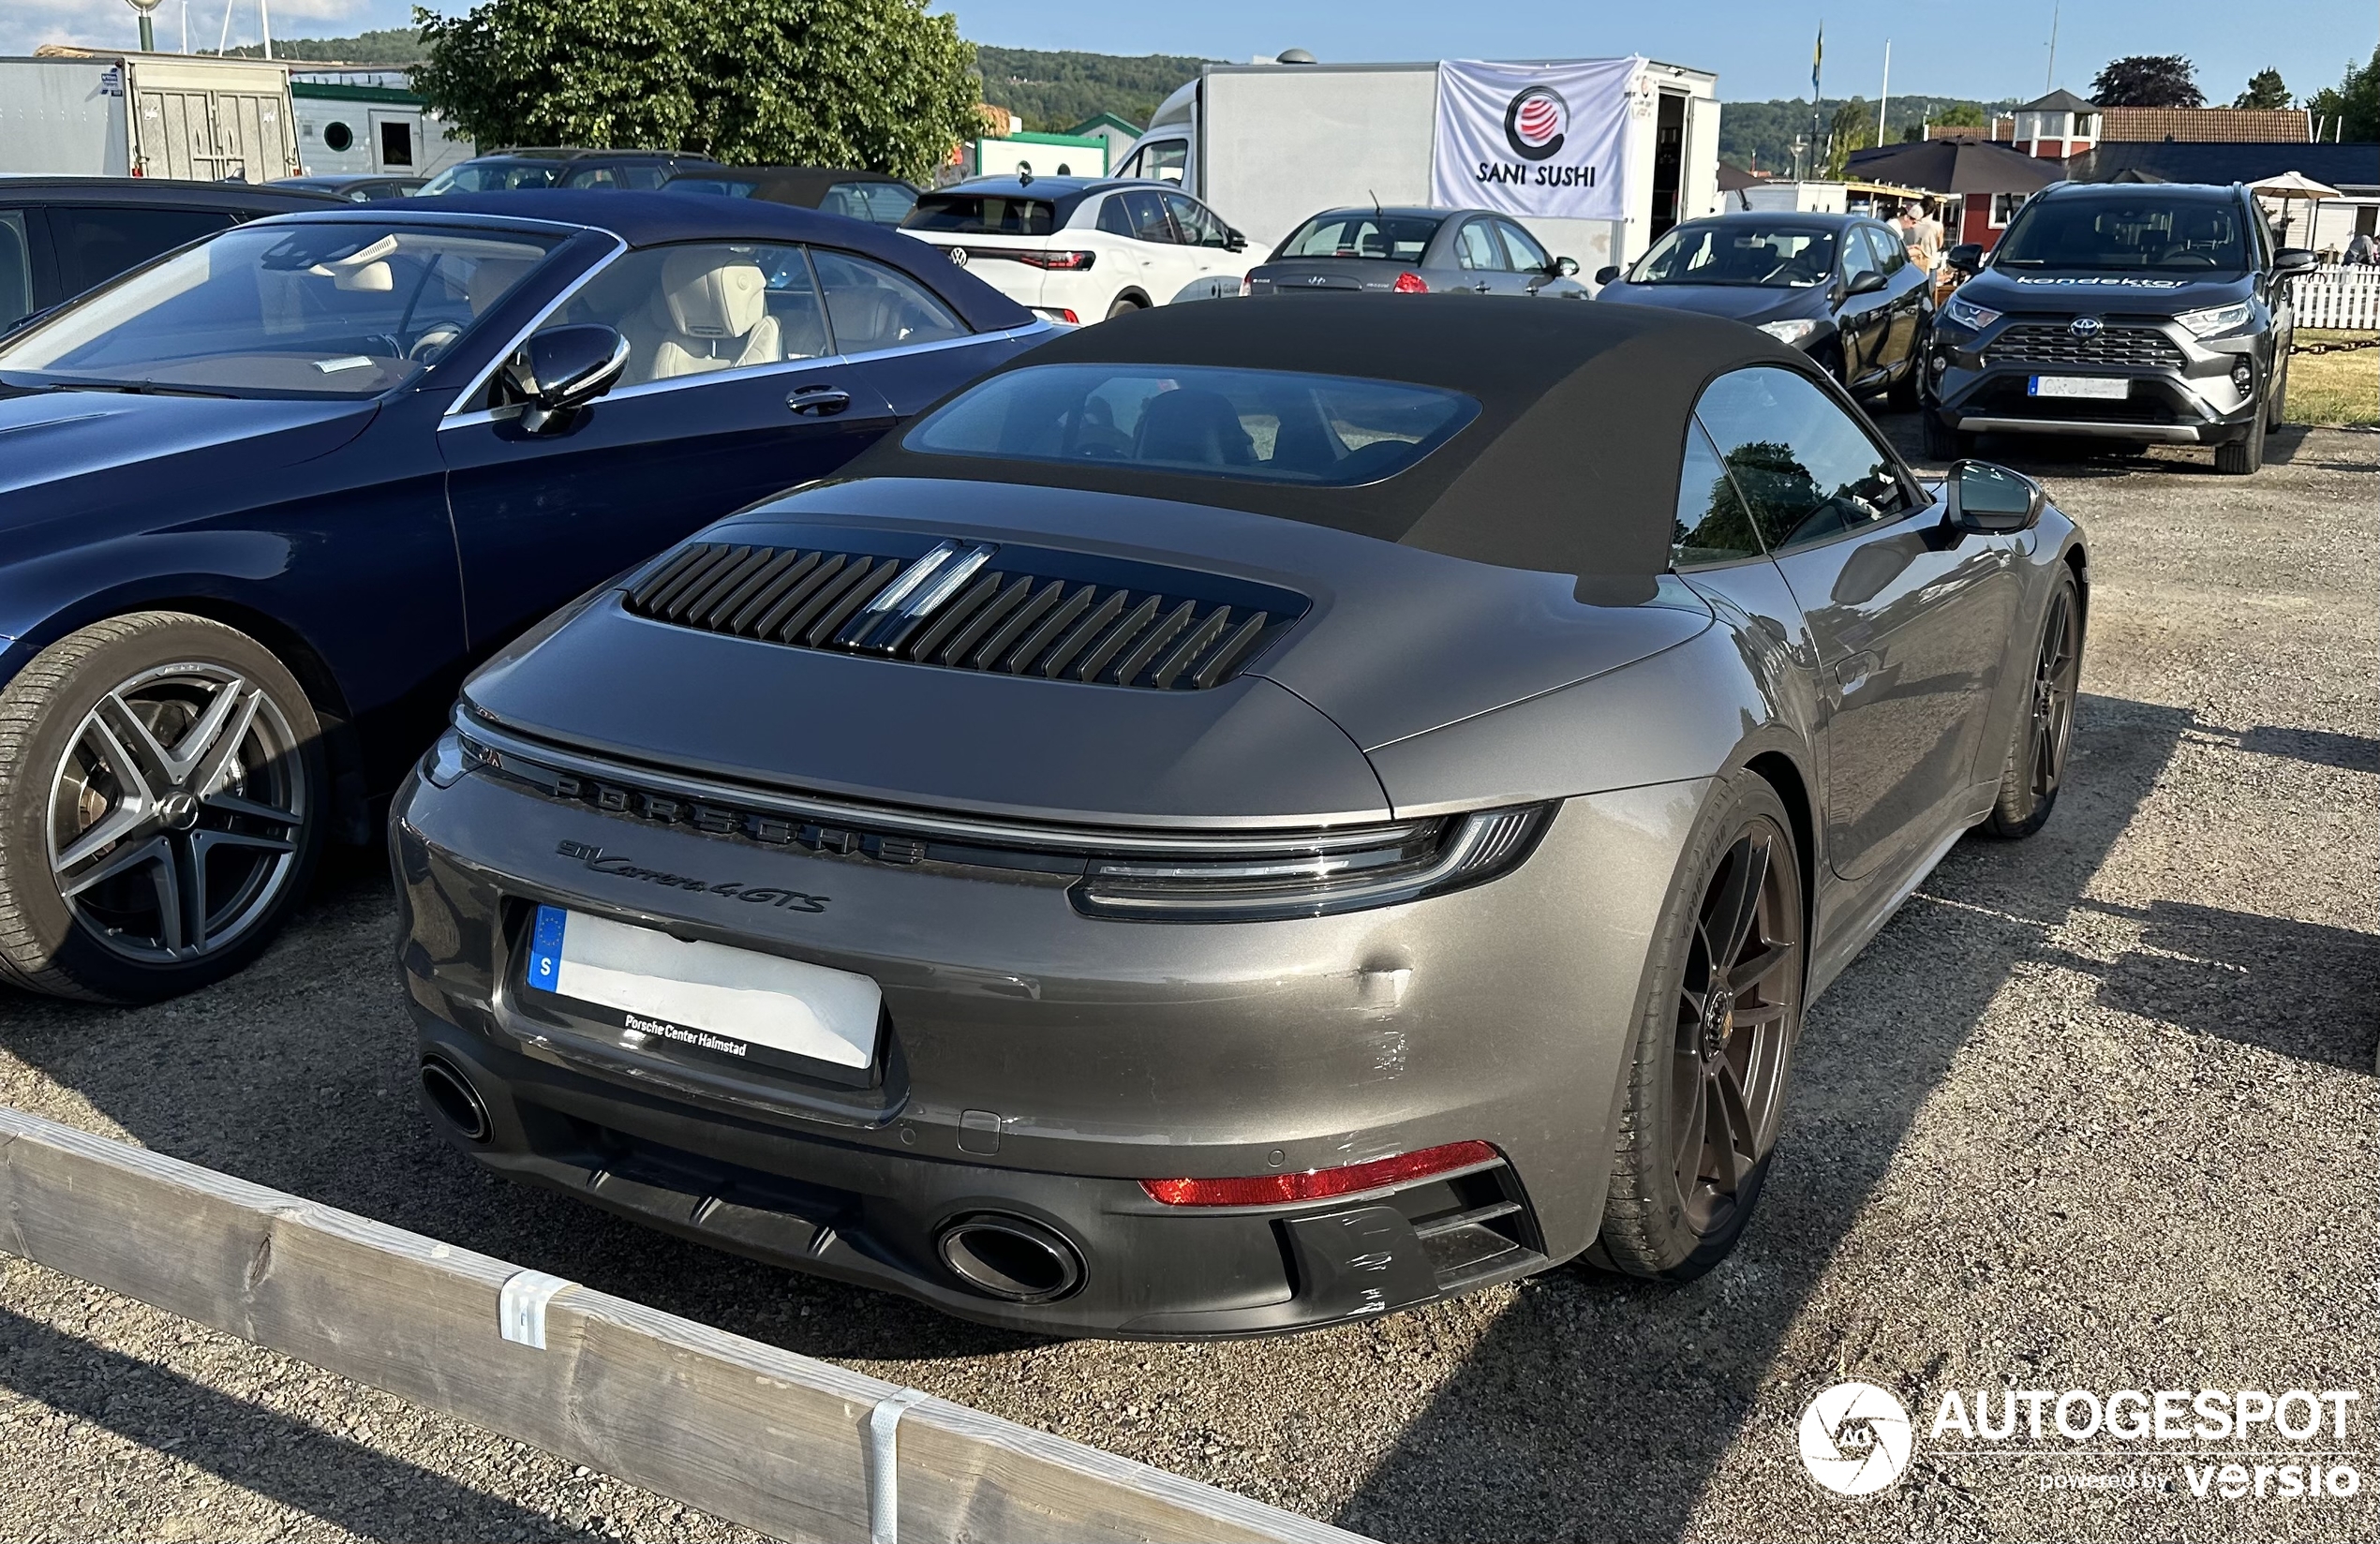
x=706, y=997
x=2100, y=388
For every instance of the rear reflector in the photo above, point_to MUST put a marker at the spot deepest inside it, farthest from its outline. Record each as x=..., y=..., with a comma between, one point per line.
x=1319, y=1183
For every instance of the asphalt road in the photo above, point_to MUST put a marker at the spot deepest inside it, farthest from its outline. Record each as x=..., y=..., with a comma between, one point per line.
x=2097, y=1110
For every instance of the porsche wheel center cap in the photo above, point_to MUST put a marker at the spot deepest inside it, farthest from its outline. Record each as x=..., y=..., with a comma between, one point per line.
x=1718, y=1019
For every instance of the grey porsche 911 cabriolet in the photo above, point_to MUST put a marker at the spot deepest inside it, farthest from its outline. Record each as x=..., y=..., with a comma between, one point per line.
x=1246, y=817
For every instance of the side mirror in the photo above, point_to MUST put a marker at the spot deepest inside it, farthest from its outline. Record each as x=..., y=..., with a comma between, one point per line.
x=1606, y=274
x=1565, y=267
x=1966, y=257
x=561, y=370
x=1866, y=283
x=2296, y=259
x=1990, y=501
x=1234, y=241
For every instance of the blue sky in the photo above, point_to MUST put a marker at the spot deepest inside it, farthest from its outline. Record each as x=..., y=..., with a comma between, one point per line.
x=1760, y=48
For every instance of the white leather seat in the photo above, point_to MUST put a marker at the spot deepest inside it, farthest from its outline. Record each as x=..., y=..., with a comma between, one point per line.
x=714, y=315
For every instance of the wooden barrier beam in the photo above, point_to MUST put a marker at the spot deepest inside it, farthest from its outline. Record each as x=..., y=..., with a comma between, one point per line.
x=746, y=1432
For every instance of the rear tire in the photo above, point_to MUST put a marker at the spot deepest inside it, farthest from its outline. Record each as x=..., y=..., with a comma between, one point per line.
x=1902, y=395
x=2035, y=769
x=162, y=802
x=1705, y=1087
x=2242, y=456
x=1124, y=306
x=1944, y=443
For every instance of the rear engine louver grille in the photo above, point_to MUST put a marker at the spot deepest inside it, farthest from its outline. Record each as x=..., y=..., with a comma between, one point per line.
x=957, y=606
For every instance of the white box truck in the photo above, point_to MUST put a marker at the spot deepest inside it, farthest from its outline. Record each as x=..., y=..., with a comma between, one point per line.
x=75, y=113
x=1266, y=145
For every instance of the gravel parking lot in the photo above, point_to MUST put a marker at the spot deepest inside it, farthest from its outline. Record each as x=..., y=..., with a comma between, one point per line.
x=2096, y=1111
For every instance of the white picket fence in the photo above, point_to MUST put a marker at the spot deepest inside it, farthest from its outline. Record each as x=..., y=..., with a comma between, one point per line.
x=2339, y=297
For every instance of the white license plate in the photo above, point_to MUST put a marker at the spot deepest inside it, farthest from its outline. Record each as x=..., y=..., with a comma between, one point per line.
x=2099, y=388
x=705, y=996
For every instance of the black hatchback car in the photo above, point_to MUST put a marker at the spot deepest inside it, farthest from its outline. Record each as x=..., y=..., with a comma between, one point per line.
x=566, y=167
x=2157, y=314
x=1839, y=288
x=60, y=236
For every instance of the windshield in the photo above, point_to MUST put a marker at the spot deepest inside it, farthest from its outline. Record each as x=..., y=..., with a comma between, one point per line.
x=343, y=308
x=983, y=215
x=1262, y=425
x=491, y=177
x=1779, y=257
x=2150, y=231
x=1348, y=234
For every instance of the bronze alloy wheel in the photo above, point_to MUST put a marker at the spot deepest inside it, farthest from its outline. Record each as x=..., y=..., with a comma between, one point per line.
x=1735, y=1023
x=2037, y=755
x=175, y=813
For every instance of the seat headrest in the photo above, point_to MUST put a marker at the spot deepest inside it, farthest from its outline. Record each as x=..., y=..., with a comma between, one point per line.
x=1194, y=425
x=491, y=278
x=713, y=297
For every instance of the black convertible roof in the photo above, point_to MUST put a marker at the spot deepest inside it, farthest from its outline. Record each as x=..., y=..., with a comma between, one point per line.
x=1571, y=466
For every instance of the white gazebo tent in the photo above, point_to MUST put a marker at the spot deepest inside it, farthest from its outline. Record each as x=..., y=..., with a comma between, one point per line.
x=2288, y=185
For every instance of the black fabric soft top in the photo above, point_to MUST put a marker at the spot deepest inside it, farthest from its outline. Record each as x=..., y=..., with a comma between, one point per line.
x=1571, y=466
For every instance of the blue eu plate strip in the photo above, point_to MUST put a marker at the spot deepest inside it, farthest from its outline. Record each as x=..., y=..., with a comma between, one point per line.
x=545, y=947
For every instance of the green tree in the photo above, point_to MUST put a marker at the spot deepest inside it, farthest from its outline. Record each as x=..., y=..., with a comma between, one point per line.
x=1852, y=128
x=1961, y=115
x=2266, y=89
x=2147, y=80
x=2357, y=100
x=875, y=84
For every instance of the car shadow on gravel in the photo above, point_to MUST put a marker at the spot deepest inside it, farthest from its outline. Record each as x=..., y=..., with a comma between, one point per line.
x=1598, y=1406
x=364, y=1491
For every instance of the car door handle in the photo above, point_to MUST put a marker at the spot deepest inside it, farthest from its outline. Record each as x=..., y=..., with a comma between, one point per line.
x=818, y=401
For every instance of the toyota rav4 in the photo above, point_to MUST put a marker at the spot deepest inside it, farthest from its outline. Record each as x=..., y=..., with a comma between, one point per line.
x=2154, y=314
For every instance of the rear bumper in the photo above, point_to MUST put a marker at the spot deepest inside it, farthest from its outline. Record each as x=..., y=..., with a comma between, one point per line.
x=1038, y=1064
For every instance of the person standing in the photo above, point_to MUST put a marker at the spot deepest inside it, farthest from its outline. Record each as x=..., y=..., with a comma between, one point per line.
x=1921, y=234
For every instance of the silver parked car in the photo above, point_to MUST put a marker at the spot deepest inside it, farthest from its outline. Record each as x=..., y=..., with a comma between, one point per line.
x=1244, y=818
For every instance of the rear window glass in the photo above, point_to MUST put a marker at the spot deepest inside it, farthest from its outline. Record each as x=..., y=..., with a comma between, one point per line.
x=1397, y=237
x=1260, y=425
x=983, y=215
x=879, y=203
x=725, y=188
x=2162, y=233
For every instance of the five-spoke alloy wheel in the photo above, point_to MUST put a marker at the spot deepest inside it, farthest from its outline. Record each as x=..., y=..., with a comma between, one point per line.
x=163, y=810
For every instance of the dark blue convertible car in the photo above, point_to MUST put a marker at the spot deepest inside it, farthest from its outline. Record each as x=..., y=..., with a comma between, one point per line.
x=263, y=501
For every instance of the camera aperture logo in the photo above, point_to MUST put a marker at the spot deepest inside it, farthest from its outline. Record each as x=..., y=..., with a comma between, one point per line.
x=1855, y=1438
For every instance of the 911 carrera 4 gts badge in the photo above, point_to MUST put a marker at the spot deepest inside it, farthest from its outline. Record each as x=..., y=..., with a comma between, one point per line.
x=758, y=895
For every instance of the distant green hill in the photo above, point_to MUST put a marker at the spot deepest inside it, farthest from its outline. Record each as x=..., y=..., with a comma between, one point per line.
x=389, y=46
x=1758, y=135
x=1053, y=92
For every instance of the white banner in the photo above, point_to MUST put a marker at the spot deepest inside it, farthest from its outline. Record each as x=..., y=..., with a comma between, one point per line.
x=1543, y=139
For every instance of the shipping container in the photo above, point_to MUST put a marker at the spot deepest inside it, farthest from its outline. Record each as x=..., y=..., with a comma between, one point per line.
x=147, y=115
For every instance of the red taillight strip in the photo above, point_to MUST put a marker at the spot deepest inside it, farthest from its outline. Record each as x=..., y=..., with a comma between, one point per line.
x=1319, y=1183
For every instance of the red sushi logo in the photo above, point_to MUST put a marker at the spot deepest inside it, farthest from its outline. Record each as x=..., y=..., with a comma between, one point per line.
x=1536, y=121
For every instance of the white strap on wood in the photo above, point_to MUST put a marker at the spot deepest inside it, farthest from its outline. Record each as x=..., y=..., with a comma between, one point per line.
x=520, y=1308
x=884, y=1465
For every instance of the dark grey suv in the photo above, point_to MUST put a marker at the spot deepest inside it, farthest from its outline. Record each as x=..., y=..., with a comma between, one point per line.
x=2155, y=314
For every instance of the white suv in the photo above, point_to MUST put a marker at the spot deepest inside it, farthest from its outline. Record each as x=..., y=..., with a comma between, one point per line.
x=1075, y=249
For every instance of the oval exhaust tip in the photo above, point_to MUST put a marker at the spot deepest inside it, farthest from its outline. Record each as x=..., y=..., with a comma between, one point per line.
x=450, y=1094
x=1012, y=1258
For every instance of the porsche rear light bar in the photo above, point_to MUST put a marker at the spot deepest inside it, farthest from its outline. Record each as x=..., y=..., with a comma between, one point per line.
x=1320, y=1184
